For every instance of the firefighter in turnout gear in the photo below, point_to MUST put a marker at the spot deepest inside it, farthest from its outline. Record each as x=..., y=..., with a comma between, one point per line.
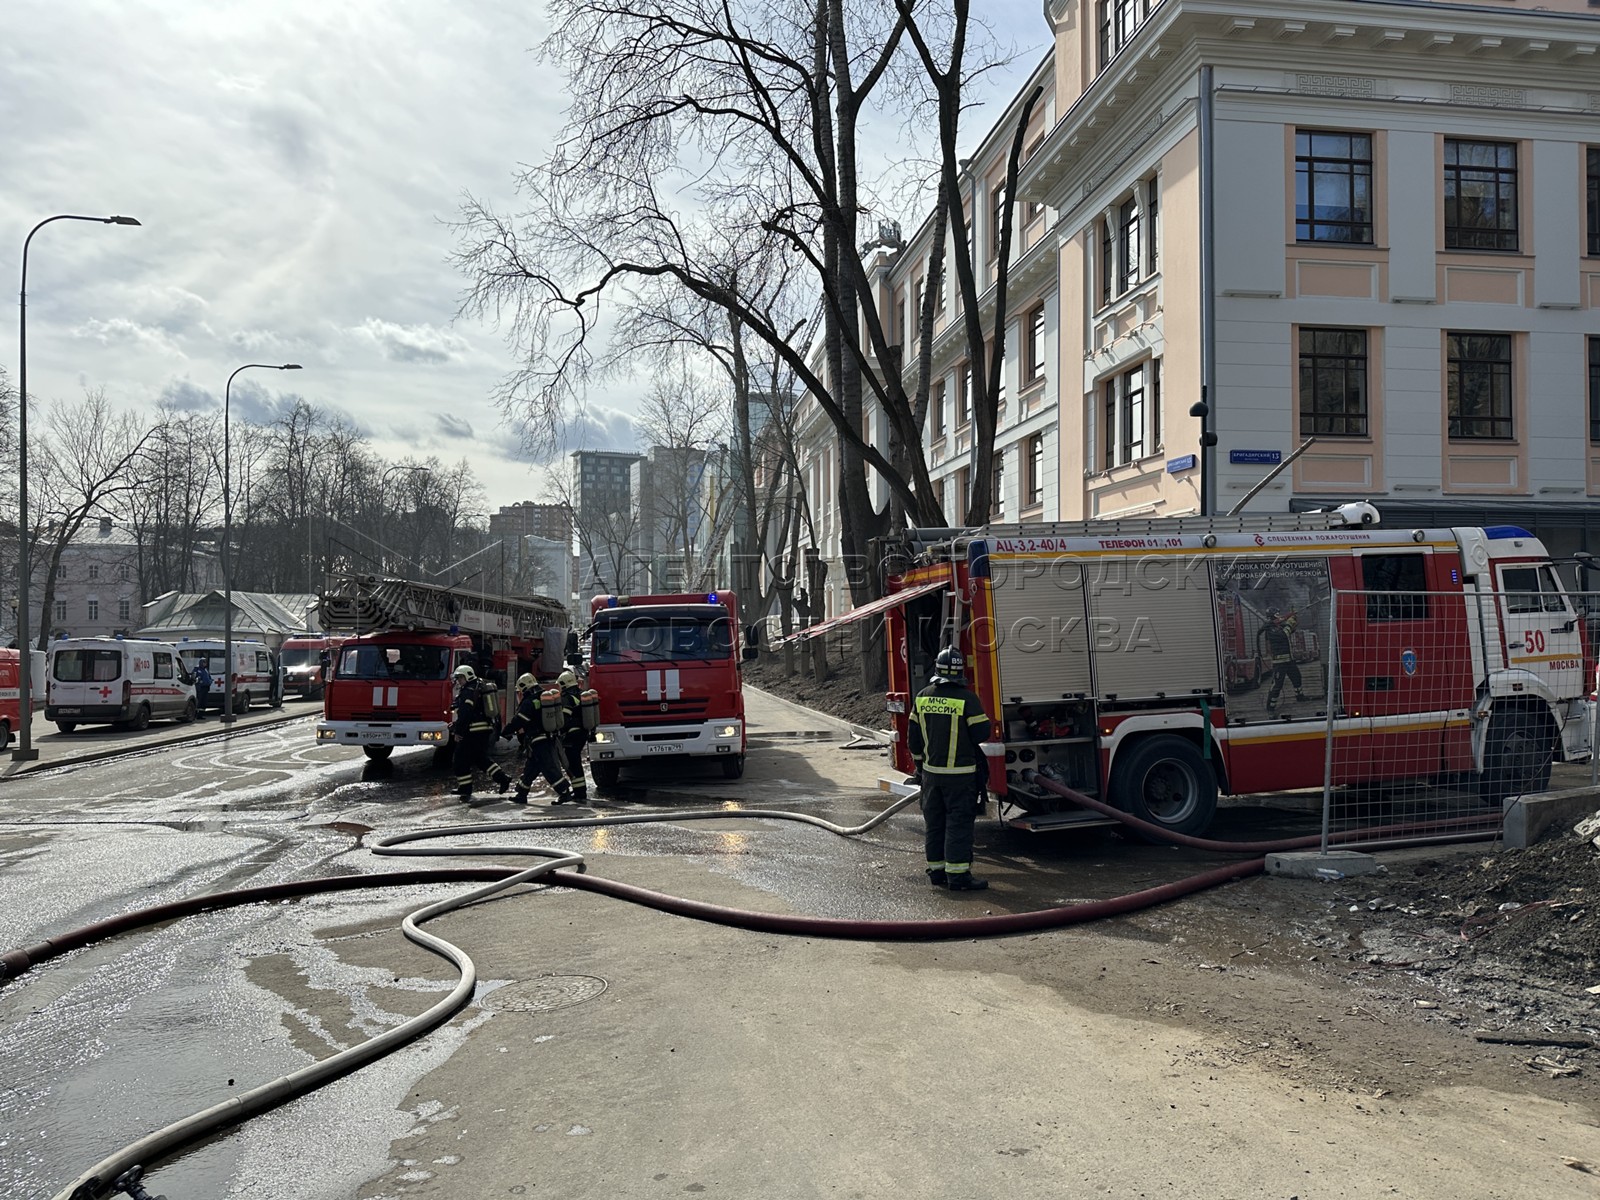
x=476, y=725
x=528, y=723
x=946, y=730
x=573, y=734
x=1275, y=636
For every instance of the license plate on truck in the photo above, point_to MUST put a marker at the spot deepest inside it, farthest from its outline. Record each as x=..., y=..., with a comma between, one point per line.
x=665, y=748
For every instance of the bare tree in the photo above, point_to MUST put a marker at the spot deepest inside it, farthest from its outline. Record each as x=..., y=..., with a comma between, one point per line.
x=682, y=421
x=177, y=485
x=85, y=461
x=705, y=133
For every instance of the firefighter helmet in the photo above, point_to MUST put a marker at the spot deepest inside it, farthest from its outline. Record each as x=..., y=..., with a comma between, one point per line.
x=567, y=678
x=524, y=682
x=464, y=673
x=949, y=665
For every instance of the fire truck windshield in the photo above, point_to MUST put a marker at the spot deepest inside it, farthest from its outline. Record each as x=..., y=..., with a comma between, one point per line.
x=641, y=638
x=393, y=662
x=298, y=656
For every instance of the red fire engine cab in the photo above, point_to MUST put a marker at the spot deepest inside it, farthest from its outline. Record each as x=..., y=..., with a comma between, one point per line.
x=667, y=670
x=391, y=678
x=1155, y=663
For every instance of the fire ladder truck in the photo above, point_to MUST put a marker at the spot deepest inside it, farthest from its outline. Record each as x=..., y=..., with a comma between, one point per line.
x=389, y=684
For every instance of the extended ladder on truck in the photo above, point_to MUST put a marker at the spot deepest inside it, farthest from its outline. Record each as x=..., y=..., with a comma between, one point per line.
x=1347, y=516
x=368, y=603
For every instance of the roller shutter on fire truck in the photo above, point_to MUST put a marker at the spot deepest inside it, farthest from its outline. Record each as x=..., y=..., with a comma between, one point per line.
x=1152, y=626
x=1043, y=638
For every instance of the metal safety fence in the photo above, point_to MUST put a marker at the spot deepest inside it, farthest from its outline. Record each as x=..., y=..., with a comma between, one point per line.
x=1438, y=709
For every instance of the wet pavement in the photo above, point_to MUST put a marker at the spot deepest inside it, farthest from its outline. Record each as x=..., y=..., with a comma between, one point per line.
x=108, y=1043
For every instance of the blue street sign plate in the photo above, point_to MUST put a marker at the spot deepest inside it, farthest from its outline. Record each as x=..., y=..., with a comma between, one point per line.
x=1269, y=458
x=1184, y=462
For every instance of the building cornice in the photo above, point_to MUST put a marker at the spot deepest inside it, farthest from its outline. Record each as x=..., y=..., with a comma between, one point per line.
x=1440, y=42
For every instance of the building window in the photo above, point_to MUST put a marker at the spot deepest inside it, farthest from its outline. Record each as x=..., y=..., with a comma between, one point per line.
x=1151, y=206
x=122, y=573
x=1480, y=195
x=1594, y=389
x=124, y=610
x=61, y=610
x=61, y=570
x=1479, y=388
x=997, y=498
x=1036, y=470
x=936, y=402
x=1035, y=347
x=1333, y=382
x=964, y=396
x=94, y=571
x=1000, y=392
x=1130, y=260
x=1127, y=242
x=94, y=610
x=1127, y=436
x=1332, y=186
x=1594, y=200
x=1119, y=21
x=997, y=216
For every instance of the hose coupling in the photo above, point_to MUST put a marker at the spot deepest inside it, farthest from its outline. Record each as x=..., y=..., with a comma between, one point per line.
x=129, y=1182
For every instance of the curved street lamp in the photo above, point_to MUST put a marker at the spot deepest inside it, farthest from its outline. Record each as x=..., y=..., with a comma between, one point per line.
x=25, y=751
x=227, y=536
x=382, y=480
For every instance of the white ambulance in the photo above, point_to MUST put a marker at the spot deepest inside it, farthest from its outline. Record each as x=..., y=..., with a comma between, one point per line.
x=115, y=681
x=256, y=676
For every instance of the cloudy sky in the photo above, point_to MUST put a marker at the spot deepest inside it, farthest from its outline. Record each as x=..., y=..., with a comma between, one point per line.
x=293, y=164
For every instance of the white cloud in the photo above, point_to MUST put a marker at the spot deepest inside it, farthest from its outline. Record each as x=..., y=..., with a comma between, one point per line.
x=410, y=343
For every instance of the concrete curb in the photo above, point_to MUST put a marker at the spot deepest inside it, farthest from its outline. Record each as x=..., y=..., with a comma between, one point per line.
x=1531, y=818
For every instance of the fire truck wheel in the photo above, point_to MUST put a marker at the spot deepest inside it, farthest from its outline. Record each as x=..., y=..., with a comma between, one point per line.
x=377, y=753
x=1517, y=755
x=605, y=774
x=1164, y=780
x=733, y=768
x=5, y=734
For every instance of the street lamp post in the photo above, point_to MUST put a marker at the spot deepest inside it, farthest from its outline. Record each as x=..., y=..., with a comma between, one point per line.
x=382, y=481
x=227, y=537
x=25, y=751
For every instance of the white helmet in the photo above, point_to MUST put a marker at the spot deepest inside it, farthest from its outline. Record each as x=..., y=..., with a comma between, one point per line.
x=524, y=682
x=464, y=673
x=567, y=678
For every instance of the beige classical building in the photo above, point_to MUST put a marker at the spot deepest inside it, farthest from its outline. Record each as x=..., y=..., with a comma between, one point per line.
x=1372, y=223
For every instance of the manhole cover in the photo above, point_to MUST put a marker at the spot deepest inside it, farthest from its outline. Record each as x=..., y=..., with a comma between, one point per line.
x=546, y=993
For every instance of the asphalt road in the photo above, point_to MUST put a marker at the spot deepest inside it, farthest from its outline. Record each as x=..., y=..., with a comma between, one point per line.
x=616, y=1051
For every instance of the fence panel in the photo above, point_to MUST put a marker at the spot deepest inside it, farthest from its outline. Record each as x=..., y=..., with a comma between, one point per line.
x=1440, y=707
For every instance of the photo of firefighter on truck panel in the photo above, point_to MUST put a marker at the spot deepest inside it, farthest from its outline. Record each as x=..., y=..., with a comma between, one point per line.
x=1272, y=619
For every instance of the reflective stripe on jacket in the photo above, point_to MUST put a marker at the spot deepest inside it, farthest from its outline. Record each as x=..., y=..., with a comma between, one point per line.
x=946, y=729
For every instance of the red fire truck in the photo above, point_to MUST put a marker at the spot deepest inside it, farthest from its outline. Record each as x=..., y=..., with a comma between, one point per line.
x=302, y=660
x=1158, y=662
x=391, y=678
x=667, y=670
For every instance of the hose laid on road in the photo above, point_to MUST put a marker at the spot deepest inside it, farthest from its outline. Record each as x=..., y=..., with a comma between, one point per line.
x=99, y=1181
x=1378, y=836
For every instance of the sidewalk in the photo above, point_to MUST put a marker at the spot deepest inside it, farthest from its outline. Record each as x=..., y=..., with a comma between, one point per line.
x=90, y=742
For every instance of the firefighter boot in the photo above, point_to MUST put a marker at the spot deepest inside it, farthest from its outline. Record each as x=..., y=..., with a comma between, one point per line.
x=965, y=881
x=937, y=877
x=520, y=796
x=580, y=791
x=502, y=782
x=465, y=792
x=563, y=792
